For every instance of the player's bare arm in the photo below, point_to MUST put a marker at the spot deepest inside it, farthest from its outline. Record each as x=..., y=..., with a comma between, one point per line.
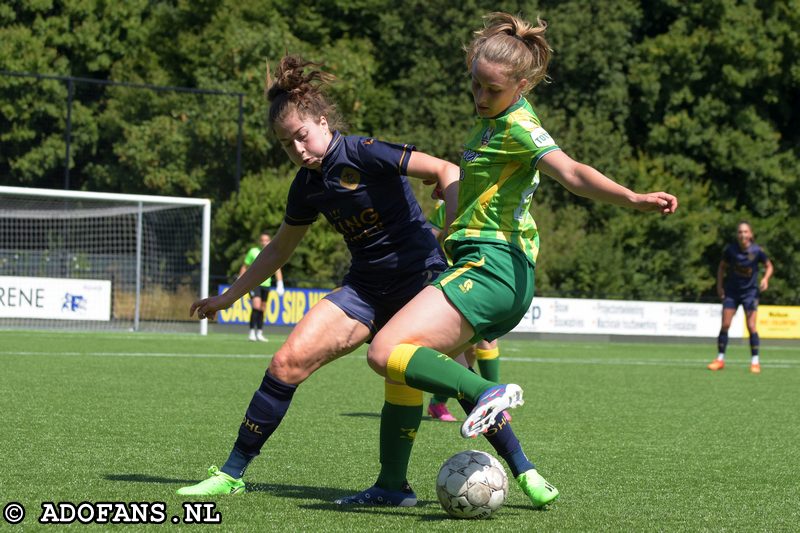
x=721, y=269
x=271, y=258
x=445, y=174
x=768, y=270
x=583, y=180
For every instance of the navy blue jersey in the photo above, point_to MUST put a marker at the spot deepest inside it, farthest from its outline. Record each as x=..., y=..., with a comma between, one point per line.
x=742, y=275
x=362, y=190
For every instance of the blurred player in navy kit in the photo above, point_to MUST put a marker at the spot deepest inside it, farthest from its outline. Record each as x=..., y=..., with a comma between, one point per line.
x=737, y=284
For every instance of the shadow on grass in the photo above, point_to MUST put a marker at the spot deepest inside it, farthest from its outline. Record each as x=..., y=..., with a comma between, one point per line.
x=432, y=510
x=143, y=478
x=362, y=415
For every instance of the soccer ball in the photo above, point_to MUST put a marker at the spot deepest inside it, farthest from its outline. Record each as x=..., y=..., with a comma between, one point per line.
x=471, y=484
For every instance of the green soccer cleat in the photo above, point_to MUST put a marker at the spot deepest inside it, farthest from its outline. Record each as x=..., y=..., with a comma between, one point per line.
x=537, y=488
x=218, y=482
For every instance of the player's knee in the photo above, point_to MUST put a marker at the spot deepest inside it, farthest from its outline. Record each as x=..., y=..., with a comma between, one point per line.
x=288, y=367
x=377, y=355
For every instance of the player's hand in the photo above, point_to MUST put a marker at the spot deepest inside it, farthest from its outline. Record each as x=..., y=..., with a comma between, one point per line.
x=207, y=307
x=764, y=285
x=279, y=288
x=721, y=293
x=662, y=202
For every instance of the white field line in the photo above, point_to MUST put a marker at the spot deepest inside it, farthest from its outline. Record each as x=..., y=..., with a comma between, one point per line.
x=144, y=354
x=770, y=363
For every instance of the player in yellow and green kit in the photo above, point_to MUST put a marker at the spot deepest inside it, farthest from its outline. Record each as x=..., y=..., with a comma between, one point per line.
x=485, y=353
x=493, y=241
x=258, y=295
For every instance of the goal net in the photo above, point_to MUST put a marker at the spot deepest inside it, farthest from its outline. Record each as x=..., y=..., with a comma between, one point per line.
x=97, y=261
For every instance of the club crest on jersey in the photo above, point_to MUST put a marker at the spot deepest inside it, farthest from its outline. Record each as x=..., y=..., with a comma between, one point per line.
x=751, y=256
x=367, y=142
x=487, y=135
x=350, y=178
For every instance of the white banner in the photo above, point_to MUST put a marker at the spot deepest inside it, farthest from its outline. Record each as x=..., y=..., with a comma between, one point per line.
x=65, y=299
x=624, y=317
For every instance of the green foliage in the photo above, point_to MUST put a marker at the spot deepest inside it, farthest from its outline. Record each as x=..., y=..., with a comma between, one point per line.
x=697, y=98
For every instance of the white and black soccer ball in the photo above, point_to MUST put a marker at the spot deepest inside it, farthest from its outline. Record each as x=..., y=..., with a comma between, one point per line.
x=471, y=484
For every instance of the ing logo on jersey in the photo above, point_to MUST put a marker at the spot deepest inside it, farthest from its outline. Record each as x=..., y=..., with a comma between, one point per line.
x=466, y=286
x=487, y=135
x=350, y=178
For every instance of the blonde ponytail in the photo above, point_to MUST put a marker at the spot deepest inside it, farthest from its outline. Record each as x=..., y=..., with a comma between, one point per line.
x=514, y=43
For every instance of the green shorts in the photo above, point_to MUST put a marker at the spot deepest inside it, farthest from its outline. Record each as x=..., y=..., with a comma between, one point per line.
x=490, y=284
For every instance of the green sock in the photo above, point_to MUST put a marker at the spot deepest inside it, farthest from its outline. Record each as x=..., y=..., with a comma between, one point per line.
x=436, y=399
x=437, y=373
x=490, y=369
x=399, y=425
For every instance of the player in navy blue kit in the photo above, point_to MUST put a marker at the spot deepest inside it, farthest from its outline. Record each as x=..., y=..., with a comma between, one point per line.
x=738, y=284
x=359, y=185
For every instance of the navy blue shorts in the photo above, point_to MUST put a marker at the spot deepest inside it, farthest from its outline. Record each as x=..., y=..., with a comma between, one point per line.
x=748, y=301
x=260, y=292
x=374, y=304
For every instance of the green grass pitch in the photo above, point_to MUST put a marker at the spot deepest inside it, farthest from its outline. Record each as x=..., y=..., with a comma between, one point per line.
x=637, y=437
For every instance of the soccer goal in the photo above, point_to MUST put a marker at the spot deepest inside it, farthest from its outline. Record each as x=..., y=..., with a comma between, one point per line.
x=100, y=261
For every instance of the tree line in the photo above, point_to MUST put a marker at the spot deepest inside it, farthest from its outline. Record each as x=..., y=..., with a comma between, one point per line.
x=697, y=98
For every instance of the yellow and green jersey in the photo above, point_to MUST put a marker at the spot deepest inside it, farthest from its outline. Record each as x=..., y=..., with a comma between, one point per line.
x=498, y=179
x=252, y=253
x=437, y=216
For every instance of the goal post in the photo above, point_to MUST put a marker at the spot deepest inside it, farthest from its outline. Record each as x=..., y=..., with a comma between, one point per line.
x=102, y=261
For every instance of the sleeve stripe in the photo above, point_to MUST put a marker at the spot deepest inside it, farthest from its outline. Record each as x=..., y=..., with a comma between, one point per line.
x=402, y=167
x=299, y=221
x=536, y=159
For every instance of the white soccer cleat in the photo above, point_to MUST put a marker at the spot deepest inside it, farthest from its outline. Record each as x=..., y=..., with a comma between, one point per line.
x=489, y=406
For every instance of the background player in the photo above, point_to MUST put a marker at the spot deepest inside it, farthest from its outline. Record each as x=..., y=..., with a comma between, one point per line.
x=258, y=296
x=737, y=284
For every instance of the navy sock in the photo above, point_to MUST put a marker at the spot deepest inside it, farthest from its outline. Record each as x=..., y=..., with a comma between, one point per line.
x=253, y=319
x=265, y=412
x=258, y=318
x=755, y=342
x=722, y=341
x=504, y=441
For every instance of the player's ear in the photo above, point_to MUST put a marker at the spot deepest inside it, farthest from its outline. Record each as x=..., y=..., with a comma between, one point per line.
x=323, y=122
